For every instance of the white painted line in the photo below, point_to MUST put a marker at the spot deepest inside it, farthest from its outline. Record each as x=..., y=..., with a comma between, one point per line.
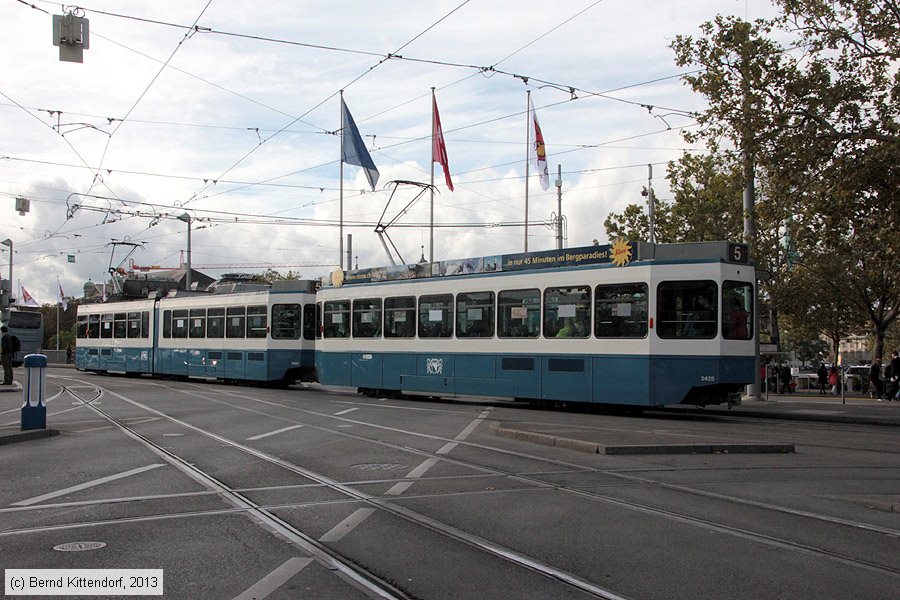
x=276, y=432
x=84, y=486
x=422, y=469
x=173, y=434
x=418, y=472
x=446, y=448
x=344, y=412
x=399, y=488
x=274, y=580
x=347, y=525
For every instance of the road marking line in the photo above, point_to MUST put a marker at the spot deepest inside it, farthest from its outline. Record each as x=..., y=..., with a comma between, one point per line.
x=344, y=412
x=347, y=525
x=274, y=580
x=419, y=471
x=277, y=431
x=84, y=486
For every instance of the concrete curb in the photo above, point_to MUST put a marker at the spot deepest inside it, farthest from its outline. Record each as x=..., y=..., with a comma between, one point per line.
x=24, y=436
x=546, y=440
x=785, y=416
x=622, y=450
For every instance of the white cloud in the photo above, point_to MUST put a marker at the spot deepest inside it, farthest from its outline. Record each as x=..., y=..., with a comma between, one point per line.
x=206, y=114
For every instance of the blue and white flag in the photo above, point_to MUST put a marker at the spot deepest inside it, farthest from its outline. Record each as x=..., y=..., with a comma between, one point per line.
x=353, y=150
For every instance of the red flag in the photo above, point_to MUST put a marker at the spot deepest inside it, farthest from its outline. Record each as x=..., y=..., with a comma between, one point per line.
x=538, y=151
x=438, y=147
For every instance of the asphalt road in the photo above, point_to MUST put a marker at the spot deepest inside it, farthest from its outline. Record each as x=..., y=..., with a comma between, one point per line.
x=244, y=492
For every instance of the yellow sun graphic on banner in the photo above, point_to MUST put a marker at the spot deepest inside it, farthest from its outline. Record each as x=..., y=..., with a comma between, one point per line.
x=620, y=253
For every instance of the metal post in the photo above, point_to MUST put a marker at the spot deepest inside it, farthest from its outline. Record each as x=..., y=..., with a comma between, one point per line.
x=341, y=178
x=650, y=203
x=187, y=219
x=527, y=160
x=8, y=242
x=431, y=206
x=349, y=251
x=559, y=217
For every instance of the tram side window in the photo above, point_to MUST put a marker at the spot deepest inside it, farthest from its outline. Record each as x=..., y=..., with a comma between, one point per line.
x=367, y=318
x=310, y=314
x=737, y=310
x=400, y=317
x=318, y=320
x=436, y=316
x=215, y=323
x=145, y=324
x=336, y=319
x=475, y=315
x=134, y=325
x=257, y=324
x=167, y=324
x=180, y=323
x=197, y=328
x=287, y=321
x=235, y=321
x=81, y=326
x=93, y=326
x=519, y=313
x=687, y=309
x=621, y=310
x=120, y=325
x=106, y=326
x=567, y=312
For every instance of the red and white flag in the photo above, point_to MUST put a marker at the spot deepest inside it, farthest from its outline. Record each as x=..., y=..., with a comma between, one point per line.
x=538, y=152
x=62, y=296
x=27, y=299
x=438, y=147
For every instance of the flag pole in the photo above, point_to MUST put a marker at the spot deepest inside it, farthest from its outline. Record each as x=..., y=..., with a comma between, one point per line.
x=527, y=160
x=431, y=222
x=341, y=176
x=58, y=287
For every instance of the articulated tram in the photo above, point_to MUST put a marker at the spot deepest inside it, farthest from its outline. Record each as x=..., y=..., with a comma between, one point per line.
x=632, y=323
x=266, y=336
x=628, y=324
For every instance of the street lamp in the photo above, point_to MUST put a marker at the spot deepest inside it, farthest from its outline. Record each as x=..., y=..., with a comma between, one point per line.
x=187, y=219
x=8, y=242
x=5, y=314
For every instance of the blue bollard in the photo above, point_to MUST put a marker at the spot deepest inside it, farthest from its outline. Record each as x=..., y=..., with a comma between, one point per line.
x=34, y=411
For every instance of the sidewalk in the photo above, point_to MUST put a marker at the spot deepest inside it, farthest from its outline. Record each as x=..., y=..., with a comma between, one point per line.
x=797, y=407
x=804, y=406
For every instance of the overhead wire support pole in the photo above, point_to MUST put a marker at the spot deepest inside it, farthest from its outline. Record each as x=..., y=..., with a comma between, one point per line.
x=341, y=177
x=431, y=208
x=651, y=208
x=559, y=216
x=527, y=158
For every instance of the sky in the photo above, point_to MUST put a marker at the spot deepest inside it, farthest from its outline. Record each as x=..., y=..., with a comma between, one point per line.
x=234, y=123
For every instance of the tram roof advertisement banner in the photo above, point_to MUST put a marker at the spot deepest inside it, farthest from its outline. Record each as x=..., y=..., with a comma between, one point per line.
x=619, y=253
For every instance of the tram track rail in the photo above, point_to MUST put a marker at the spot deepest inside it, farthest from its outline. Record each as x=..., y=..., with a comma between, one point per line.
x=475, y=541
x=324, y=553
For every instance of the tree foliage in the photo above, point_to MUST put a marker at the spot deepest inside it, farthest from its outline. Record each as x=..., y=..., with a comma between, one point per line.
x=807, y=106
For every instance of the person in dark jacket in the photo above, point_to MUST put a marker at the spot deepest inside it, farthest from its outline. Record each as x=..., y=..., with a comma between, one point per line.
x=892, y=377
x=785, y=374
x=875, y=383
x=822, y=374
x=6, y=355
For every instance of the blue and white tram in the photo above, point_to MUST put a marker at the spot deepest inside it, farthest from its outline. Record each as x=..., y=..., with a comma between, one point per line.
x=266, y=336
x=627, y=324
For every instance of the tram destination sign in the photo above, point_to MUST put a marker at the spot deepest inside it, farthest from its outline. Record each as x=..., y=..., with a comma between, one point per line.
x=619, y=253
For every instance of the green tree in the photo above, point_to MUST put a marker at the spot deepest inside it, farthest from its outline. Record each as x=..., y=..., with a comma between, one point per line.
x=818, y=119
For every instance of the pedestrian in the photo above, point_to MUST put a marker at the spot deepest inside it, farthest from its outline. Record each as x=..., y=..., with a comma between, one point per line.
x=876, y=387
x=833, y=380
x=822, y=374
x=894, y=393
x=69, y=354
x=6, y=355
x=785, y=373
